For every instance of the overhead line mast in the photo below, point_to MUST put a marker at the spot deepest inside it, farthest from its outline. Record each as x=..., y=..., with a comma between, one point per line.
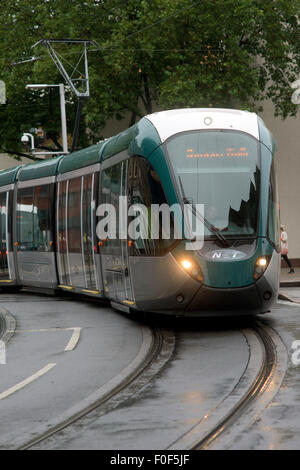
x=78, y=80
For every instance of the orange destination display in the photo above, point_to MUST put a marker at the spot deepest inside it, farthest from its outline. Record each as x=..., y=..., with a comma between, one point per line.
x=229, y=152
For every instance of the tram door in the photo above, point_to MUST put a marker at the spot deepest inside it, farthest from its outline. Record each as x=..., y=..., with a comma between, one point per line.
x=114, y=247
x=4, y=267
x=62, y=234
x=77, y=260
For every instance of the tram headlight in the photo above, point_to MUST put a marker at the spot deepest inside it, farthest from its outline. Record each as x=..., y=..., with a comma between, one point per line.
x=192, y=268
x=260, y=266
x=186, y=264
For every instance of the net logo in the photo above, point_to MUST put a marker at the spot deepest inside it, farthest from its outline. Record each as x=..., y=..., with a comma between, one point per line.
x=2, y=353
x=2, y=92
x=225, y=255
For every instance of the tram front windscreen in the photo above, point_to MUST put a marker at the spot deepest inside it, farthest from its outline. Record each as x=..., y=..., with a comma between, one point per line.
x=220, y=169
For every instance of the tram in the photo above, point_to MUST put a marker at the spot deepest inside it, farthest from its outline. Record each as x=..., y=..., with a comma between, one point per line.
x=222, y=159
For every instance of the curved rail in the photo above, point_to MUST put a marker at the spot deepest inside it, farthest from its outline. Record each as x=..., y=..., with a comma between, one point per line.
x=157, y=349
x=256, y=388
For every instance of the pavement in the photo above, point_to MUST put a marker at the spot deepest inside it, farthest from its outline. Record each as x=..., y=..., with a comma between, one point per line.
x=290, y=280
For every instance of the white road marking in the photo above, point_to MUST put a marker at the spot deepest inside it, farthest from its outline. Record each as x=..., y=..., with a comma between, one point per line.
x=71, y=344
x=74, y=339
x=27, y=381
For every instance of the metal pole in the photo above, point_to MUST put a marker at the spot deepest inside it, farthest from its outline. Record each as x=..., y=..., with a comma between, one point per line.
x=63, y=117
x=77, y=124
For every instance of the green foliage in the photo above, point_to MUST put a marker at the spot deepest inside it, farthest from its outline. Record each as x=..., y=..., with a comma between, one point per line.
x=175, y=53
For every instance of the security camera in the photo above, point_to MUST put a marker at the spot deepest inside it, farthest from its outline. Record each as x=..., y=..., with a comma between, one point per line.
x=25, y=139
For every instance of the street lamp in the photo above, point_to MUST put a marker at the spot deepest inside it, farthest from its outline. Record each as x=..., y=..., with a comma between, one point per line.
x=61, y=87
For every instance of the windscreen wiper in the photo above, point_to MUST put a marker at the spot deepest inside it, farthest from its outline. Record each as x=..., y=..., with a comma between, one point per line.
x=207, y=224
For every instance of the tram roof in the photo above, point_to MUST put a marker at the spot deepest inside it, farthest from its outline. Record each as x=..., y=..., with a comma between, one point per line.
x=119, y=142
x=40, y=169
x=131, y=138
x=80, y=158
x=9, y=176
x=93, y=154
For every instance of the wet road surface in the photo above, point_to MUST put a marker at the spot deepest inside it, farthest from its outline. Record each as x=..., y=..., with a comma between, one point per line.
x=278, y=427
x=210, y=358
x=64, y=350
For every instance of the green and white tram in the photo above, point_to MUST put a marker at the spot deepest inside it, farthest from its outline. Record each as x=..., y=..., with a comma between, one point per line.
x=220, y=158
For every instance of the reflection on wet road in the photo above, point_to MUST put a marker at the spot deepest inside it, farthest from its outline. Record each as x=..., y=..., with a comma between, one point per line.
x=210, y=358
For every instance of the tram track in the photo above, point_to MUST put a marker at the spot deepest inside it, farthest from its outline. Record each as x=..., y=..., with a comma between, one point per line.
x=258, y=387
x=156, y=350
x=255, y=389
x=250, y=396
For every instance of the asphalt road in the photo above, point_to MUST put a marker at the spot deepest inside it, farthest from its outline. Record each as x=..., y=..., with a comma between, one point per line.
x=65, y=350
x=209, y=360
x=278, y=427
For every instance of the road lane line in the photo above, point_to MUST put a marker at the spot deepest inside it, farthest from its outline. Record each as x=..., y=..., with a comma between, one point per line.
x=46, y=330
x=27, y=381
x=71, y=344
x=74, y=339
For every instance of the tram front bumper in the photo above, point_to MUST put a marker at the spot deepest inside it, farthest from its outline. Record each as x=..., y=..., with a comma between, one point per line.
x=210, y=301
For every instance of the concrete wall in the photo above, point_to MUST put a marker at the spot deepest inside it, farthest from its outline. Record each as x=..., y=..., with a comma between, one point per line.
x=9, y=162
x=287, y=134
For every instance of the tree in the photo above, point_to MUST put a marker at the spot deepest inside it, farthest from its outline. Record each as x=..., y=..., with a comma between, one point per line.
x=174, y=53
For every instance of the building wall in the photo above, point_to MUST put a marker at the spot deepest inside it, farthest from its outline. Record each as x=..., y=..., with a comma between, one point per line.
x=9, y=162
x=287, y=134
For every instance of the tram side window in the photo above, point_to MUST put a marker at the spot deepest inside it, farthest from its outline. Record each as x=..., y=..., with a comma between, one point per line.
x=74, y=223
x=3, y=245
x=42, y=221
x=273, y=218
x=144, y=187
x=25, y=219
x=3, y=221
x=34, y=219
x=88, y=223
x=105, y=198
x=115, y=193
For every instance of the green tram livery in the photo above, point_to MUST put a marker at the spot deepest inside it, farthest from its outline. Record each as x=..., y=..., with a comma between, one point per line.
x=222, y=159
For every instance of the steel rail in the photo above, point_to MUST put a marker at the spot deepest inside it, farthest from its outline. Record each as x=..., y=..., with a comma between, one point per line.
x=261, y=385
x=159, y=353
